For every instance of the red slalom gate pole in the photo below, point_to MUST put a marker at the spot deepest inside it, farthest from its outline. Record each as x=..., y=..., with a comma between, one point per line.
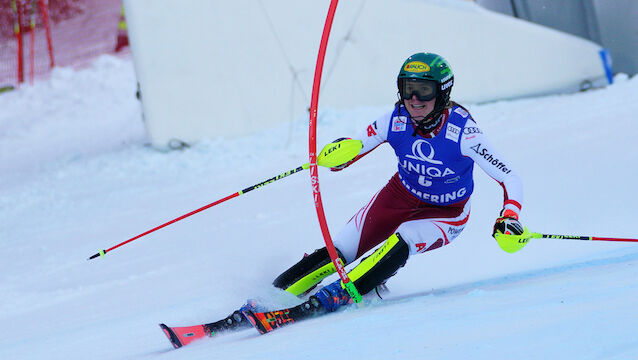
x=314, y=174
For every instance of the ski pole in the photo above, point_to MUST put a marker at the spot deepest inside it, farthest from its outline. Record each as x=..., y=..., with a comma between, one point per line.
x=333, y=154
x=513, y=243
x=241, y=192
x=535, y=235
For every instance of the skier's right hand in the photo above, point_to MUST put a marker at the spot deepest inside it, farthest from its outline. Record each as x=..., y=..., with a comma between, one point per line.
x=342, y=166
x=346, y=164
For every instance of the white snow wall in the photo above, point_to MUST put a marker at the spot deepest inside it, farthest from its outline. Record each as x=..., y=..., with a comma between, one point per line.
x=224, y=68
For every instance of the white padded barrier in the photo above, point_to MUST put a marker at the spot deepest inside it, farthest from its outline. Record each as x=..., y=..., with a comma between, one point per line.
x=226, y=68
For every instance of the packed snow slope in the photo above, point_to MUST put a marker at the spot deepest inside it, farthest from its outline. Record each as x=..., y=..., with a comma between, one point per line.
x=78, y=176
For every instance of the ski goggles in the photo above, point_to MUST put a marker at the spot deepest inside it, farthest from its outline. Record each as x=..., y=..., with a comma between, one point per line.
x=425, y=90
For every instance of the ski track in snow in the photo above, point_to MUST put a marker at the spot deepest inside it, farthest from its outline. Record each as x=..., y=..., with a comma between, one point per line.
x=78, y=176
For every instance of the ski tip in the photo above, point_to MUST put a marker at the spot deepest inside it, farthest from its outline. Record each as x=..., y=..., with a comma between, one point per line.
x=171, y=336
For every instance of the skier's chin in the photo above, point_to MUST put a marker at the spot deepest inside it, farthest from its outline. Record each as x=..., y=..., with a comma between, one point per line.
x=418, y=115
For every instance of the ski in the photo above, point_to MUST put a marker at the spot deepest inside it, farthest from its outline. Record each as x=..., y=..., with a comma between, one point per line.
x=250, y=315
x=180, y=336
x=268, y=321
x=183, y=335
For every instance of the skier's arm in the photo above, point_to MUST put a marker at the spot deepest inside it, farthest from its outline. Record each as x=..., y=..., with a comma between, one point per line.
x=374, y=135
x=475, y=145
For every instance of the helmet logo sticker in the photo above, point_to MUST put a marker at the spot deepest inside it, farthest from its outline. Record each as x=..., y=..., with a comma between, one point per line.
x=416, y=67
x=447, y=85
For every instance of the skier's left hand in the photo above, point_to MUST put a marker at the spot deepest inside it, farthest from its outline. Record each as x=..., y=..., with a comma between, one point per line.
x=508, y=224
x=508, y=232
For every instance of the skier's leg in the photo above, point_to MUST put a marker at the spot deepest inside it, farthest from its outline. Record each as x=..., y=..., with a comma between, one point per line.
x=374, y=223
x=412, y=237
x=382, y=264
x=429, y=234
x=371, y=272
x=372, y=218
x=313, y=268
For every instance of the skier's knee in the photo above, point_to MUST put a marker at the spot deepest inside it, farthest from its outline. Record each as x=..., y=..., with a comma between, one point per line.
x=308, y=272
x=426, y=235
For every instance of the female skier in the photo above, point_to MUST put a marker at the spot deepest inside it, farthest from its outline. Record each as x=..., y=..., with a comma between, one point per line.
x=426, y=204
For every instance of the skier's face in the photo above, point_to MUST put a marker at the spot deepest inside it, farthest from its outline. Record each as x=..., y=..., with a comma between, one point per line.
x=419, y=109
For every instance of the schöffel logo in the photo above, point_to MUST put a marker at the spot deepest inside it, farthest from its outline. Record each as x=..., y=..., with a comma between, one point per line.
x=417, y=67
x=491, y=159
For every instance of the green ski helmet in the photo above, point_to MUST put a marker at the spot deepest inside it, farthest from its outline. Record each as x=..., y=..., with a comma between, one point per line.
x=428, y=67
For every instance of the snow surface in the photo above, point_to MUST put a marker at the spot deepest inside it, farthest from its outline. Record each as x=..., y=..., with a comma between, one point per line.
x=78, y=176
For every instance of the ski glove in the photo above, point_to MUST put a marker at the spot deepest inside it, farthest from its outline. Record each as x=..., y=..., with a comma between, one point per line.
x=508, y=224
x=509, y=234
x=346, y=164
x=342, y=166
